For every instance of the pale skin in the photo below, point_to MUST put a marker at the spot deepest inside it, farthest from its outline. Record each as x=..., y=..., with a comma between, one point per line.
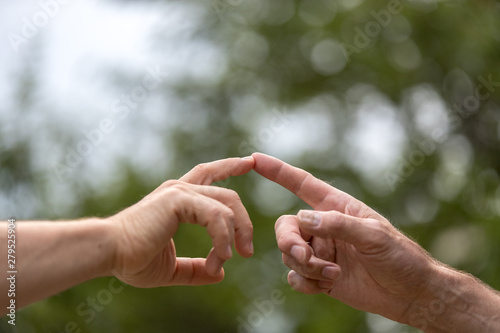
x=135, y=245
x=346, y=250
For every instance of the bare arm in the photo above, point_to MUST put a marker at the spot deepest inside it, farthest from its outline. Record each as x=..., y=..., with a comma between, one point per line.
x=53, y=256
x=136, y=244
x=356, y=256
x=455, y=302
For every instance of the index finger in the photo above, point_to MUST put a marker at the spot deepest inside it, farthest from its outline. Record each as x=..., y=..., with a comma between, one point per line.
x=208, y=173
x=310, y=189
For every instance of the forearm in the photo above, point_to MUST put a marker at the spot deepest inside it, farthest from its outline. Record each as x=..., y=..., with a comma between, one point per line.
x=456, y=302
x=54, y=256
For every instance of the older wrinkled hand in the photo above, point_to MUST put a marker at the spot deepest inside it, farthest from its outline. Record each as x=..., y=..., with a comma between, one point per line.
x=344, y=248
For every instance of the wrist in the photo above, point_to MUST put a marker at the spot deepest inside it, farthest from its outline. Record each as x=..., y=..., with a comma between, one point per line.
x=453, y=301
x=439, y=294
x=102, y=233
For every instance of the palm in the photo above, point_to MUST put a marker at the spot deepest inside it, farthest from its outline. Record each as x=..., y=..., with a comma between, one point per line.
x=157, y=272
x=368, y=275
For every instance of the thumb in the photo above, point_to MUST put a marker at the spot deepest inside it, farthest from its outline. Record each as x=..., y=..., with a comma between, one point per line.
x=193, y=272
x=365, y=234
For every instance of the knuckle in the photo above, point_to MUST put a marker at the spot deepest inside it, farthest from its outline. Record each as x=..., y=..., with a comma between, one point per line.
x=214, y=213
x=248, y=228
x=375, y=225
x=334, y=215
x=281, y=220
x=175, y=190
x=220, y=214
x=322, y=252
x=230, y=217
x=284, y=217
x=170, y=183
x=233, y=196
x=282, y=240
x=380, y=232
x=202, y=167
x=224, y=234
x=335, y=223
x=226, y=212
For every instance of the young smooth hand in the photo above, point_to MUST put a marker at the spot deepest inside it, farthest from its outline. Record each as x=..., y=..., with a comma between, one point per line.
x=136, y=244
x=145, y=251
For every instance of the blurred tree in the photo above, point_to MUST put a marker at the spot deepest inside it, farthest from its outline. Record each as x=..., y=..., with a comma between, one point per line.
x=394, y=102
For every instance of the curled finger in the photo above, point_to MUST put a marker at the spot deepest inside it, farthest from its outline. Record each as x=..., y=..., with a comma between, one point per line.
x=214, y=263
x=243, y=227
x=210, y=213
x=308, y=286
x=316, y=269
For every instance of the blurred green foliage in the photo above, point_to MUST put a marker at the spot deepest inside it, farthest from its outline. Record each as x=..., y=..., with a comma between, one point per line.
x=436, y=178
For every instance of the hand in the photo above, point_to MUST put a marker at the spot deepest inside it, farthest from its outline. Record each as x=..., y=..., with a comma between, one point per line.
x=345, y=249
x=145, y=252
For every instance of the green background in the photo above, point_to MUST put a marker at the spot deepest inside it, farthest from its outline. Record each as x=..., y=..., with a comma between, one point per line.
x=436, y=176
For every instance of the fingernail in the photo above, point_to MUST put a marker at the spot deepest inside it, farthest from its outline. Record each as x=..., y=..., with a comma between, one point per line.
x=310, y=218
x=325, y=284
x=219, y=268
x=293, y=279
x=248, y=158
x=250, y=248
x=229, y=251
x=331, y=273
x=298, y=253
